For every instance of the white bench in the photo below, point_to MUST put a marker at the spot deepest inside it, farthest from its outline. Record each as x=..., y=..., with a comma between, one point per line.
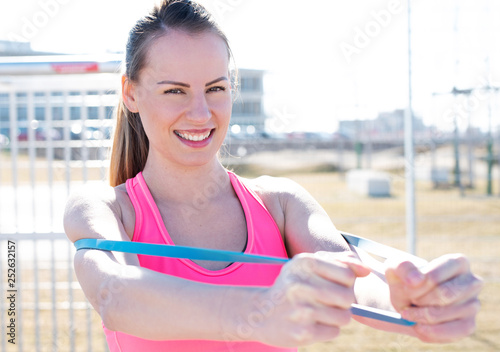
x=369, y=182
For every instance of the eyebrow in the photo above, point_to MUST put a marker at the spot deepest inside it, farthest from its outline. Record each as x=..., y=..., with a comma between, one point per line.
x=175, y=83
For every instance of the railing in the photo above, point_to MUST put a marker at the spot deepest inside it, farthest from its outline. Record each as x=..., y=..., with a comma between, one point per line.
x=52, y=139
x=51, y=314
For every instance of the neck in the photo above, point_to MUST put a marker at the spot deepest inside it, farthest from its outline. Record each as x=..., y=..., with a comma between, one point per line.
x=187, y=184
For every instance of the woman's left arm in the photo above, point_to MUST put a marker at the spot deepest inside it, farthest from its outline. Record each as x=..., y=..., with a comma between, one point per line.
x=442, y=297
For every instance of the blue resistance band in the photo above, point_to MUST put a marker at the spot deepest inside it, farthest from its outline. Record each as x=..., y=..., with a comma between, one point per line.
x=193, y=253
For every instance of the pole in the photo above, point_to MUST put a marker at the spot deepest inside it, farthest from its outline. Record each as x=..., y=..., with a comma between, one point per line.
x=489, y=149
x=409, y=154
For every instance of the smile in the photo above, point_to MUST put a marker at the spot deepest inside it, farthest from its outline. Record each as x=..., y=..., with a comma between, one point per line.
x=194, y=137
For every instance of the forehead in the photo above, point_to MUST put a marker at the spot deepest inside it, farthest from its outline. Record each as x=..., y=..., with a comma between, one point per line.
x=187, y=57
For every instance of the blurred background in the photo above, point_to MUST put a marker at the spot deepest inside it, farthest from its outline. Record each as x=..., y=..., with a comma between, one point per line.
x=324, y=92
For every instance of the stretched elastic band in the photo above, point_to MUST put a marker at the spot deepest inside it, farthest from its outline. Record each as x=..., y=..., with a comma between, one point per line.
x=163, y=250
x=193, y=253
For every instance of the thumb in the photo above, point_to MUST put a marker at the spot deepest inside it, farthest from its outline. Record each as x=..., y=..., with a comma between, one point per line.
x=357, y=266
x=401, y=277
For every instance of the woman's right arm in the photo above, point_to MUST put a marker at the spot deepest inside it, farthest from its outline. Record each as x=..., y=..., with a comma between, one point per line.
x=309, y=301
x=129, y=298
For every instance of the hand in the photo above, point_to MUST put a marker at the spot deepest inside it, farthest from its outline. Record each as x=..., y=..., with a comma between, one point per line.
x=315, y=295
x=442, y=298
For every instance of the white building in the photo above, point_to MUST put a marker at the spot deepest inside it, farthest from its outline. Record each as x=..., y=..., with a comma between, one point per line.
x=248, y=110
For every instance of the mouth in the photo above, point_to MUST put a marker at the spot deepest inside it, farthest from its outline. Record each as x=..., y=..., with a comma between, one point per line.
x=194, y=136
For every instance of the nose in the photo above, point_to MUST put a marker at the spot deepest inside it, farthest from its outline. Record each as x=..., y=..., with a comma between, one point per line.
x=199, y=111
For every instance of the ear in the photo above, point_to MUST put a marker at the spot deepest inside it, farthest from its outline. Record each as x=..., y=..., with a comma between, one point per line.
x=129, y=94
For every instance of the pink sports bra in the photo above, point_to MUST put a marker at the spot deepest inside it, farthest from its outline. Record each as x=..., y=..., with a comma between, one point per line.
x=264, y=238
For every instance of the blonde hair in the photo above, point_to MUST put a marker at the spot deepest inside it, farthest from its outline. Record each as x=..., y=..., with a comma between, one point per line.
x=130, y=144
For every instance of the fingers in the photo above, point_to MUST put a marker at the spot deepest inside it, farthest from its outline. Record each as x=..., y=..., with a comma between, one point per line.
x=446, y=280
x=446, y=332
x=441, y=298
x=303, y=335
x=399, y=278
x=459, y=289
x=321, y=284
x=318, y=291
x=322, y=279
x=342, y=268
x=432, y=315
x=317, y=323
x=322, y=315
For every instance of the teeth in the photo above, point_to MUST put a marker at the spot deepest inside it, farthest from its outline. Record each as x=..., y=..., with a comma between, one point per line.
x=192, y=136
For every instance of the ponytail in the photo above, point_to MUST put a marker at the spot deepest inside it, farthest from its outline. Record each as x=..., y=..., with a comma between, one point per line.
x=130, y=146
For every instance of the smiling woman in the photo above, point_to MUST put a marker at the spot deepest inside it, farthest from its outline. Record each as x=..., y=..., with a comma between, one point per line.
x=170, y=78
x=169, y=188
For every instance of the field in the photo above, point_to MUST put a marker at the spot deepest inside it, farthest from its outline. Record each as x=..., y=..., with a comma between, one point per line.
x=446, y=223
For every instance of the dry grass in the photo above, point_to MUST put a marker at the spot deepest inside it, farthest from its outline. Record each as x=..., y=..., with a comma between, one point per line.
x=447, y=223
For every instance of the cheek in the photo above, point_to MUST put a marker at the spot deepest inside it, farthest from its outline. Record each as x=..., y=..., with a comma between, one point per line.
x=224, y=108
x=156, y=112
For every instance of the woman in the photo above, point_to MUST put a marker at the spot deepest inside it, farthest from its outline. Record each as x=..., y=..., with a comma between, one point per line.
x=168, y=187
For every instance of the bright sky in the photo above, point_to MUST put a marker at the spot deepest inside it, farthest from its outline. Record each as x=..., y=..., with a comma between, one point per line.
x=326, y=60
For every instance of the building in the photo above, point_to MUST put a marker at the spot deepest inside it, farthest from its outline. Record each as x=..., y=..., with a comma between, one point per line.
x=387, y=126
x=65, y=97
x=248, y=111
x=8, y=48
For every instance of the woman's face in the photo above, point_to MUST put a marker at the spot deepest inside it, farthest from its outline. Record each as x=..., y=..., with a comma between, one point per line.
x=183, y=97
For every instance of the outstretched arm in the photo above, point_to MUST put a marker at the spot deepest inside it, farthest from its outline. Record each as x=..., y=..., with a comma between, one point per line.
x=129, y=298
x=441, y=298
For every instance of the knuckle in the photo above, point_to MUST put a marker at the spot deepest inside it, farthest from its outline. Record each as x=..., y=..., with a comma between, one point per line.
x=350, y=278
x=426, y=315
x=341, y=297
x=301, y=335
x=344, y=317
x=461, y=260
x=303, y=264
x=475, y=307
x=425, y=332
x=447, y=293
x=469, y=326
x=404, y=267
x=296, y=291
x=333, y=333
x=431, y=314
x=323, y=255
x=346, y=298
x=433, y=278
x=478, y=283
x=302, y=314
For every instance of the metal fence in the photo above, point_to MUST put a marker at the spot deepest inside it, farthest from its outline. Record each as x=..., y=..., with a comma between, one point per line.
x=52, y=139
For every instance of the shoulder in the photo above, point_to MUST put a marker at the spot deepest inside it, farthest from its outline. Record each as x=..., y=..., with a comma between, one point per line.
x=97, y=194
x=274, y=187
x=96, y=202
x=281, y=189
x=276, y=194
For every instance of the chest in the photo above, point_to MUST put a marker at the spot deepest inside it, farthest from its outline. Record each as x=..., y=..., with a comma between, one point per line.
x=218, y=224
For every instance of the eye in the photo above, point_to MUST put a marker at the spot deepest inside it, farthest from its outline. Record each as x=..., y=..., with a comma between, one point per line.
x=173, y=91
x=216, y=89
